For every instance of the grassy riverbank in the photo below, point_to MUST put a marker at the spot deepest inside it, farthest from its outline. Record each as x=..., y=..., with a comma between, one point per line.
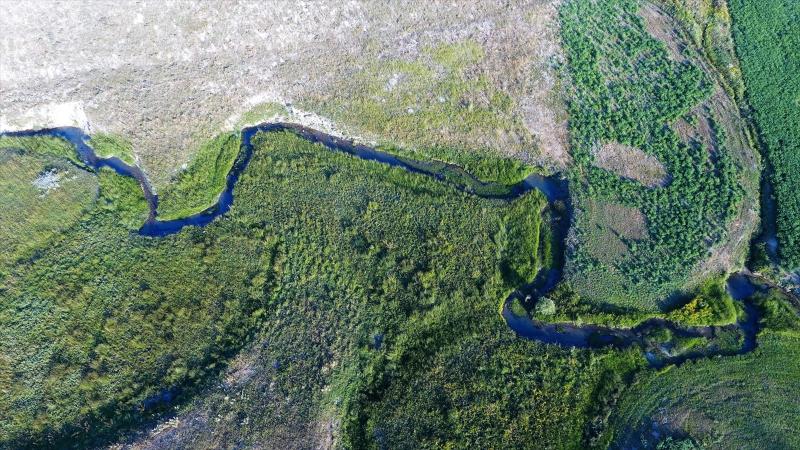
x=197, y=186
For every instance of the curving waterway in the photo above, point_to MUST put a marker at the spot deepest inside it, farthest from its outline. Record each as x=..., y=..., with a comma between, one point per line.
x=551, y=188
x=563, y=334
x=740, y=286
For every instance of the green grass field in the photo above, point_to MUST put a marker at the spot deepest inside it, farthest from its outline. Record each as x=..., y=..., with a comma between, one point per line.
x=747, y=401
x=41, y=196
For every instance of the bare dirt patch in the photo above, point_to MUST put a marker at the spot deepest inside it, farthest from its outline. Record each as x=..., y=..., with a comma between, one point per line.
x=632, y=163
x=623, y=220
x=660, y=25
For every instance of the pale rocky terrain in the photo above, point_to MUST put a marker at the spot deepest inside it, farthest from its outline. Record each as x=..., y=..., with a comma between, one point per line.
x=169, y=75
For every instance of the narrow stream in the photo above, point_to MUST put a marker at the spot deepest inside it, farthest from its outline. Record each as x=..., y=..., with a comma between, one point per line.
x=153, y=227
x=563, y=334
x=567, y=334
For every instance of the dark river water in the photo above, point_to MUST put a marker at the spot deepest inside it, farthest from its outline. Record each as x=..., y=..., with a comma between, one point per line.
x=551, y=188
x=562, y=334
x=567, y=334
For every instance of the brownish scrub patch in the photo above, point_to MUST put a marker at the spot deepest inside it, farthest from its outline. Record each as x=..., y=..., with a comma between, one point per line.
x=694, y=127
x=626, y=221
x=686, y=131
x=613, y=223
x=326, y=437
x=631, y=163
x=661, y=27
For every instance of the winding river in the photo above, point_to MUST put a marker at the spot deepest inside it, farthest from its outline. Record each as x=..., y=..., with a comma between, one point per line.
x=562, y=334
x=740, y=285
x=153, y=227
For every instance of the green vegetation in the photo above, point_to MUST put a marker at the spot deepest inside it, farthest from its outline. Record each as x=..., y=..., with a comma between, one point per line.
x=485, y=165
x=678, y=444
x=375, y=299
x=118, y=198
x=709, y=25
x=41, y=196
x=545, y=307
x=710, y=306
x=768, y=41
x=776, y=313
x=103, y=321
x=519, y=240
x=706, y=304
x=627, y=90
x=107, y=145
x=747, y=401
x=55, y=146
x=198, y=187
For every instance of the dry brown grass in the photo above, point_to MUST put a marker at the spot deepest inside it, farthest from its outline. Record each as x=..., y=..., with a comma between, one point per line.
x=169, y=75
x=632, y=163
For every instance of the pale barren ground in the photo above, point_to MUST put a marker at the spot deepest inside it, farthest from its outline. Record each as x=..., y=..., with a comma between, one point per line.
x=169, y=75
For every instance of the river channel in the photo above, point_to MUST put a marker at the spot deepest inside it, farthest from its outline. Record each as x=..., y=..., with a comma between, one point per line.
x=563, y=334
x=550, y=187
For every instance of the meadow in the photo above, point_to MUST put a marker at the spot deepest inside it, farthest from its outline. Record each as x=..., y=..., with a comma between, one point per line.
x=767, y=42
x=43, y=194
x=747, y=401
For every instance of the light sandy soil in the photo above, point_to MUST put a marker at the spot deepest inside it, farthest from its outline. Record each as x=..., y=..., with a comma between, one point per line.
x=169, y=75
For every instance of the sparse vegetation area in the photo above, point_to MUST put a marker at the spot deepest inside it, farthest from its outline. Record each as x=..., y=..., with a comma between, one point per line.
x=627, y=90
x=435, y=100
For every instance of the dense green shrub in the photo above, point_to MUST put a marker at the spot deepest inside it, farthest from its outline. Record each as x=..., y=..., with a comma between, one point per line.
x=545, y=307
x=768, y=41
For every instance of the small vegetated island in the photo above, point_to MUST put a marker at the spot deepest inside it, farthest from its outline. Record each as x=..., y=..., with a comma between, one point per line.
x=348, y=303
